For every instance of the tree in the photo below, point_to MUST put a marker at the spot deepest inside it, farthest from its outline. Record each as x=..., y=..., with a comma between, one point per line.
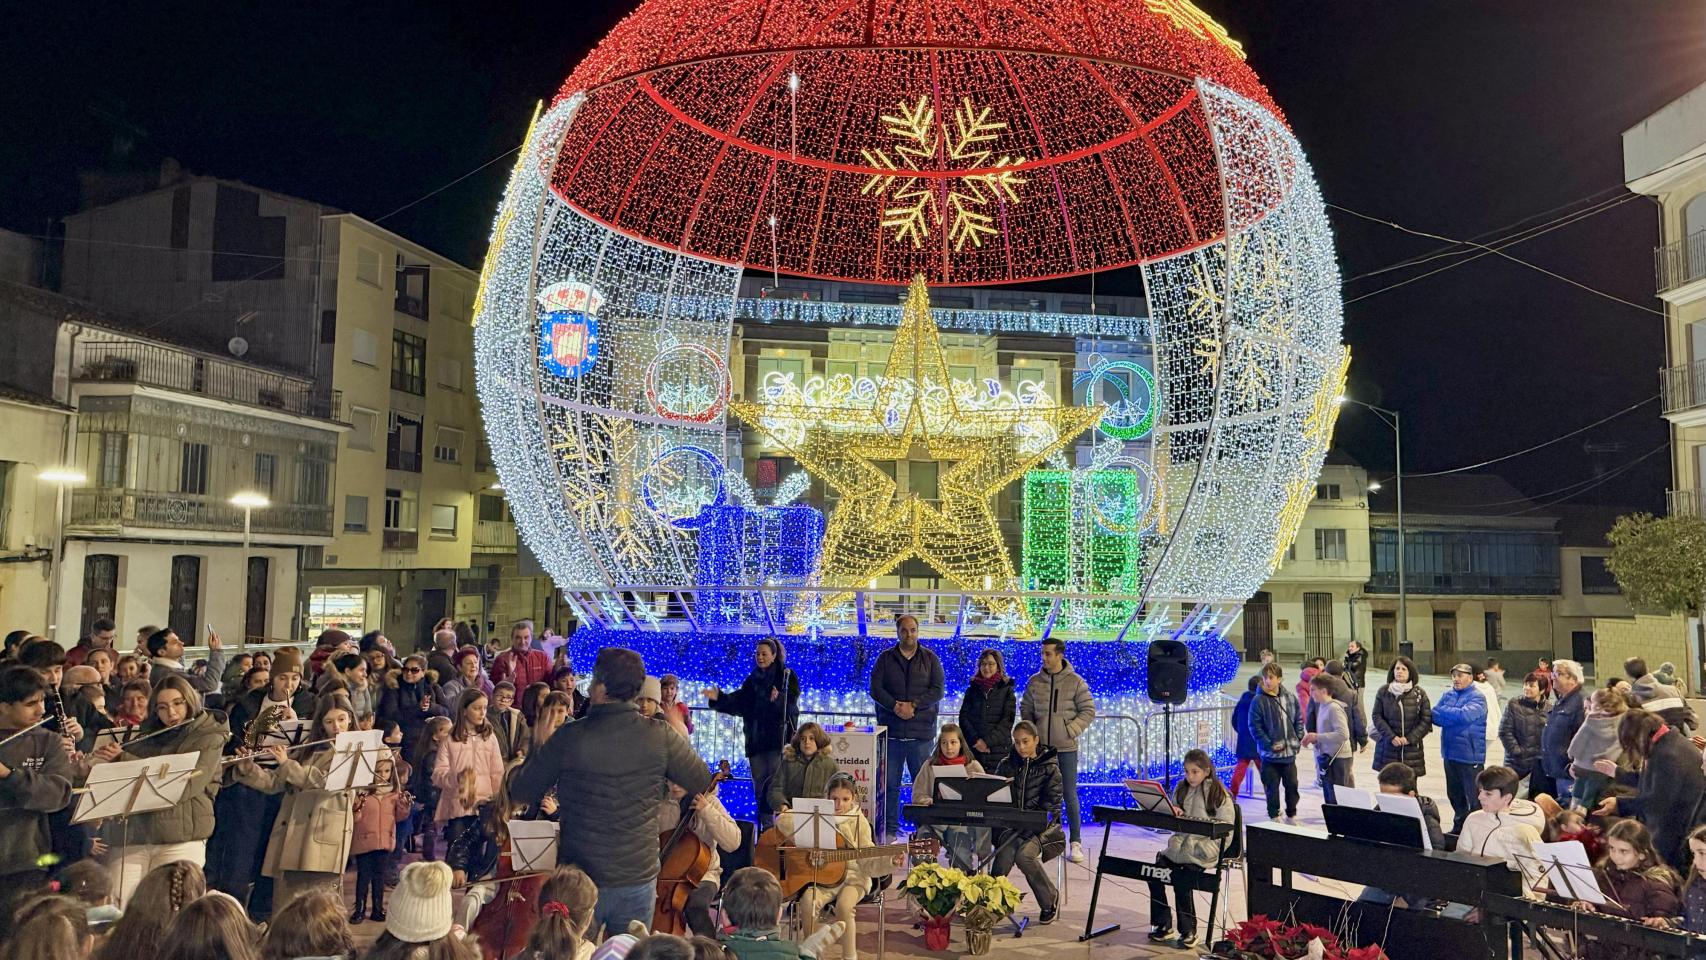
x=1660, y=561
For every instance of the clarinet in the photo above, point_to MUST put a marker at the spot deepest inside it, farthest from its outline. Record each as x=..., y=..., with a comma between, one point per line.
x=55, y=704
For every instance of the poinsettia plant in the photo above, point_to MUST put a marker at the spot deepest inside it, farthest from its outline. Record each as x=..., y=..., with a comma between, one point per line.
x=986, y=899
x=935, y=888
x=1260, y=937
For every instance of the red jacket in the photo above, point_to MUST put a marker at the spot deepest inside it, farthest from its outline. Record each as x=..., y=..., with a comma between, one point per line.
x=531, y=666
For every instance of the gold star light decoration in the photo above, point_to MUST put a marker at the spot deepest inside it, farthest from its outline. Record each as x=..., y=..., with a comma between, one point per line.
x=917, y=413
x=914, y=202
x=1317, y=436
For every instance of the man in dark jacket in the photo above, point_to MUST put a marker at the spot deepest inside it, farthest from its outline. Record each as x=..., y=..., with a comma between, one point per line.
x=612, y=771
x=1561, y=724
x=35, y=781
x=1277, y=724
x=907, y=684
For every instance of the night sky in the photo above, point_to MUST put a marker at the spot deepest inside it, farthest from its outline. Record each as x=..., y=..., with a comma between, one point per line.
x=1457, y=118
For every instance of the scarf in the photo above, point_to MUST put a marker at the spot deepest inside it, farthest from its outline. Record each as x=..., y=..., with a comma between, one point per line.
x=987, y=684
x=1399, y=689
x=940, y=761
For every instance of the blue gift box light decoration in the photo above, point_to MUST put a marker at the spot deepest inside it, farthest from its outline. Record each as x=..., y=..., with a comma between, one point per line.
x=776, y=546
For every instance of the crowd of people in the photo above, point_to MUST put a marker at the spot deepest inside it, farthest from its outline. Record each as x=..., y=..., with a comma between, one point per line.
x=252, y=860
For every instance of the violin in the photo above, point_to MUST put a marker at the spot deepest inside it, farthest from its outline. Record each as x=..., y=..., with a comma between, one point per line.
x=683, y=859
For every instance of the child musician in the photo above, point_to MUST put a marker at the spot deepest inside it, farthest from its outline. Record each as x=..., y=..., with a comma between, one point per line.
x=714, y=827
x=844, y=897
x=1200, y=797
x=1035, y=771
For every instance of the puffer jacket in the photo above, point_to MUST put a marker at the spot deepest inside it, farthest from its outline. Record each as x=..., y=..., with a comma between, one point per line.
x=1561, y=726
x=484, y=756
x=1247, y=749
x=766, y=724
x=1189, y=848
x=203, y=735
x=1037, y=783
x=988, y=715
x=1520, y=731
x=315, y=827
x=1461, y=716
x=1407, y=715
x=1356, y=667
x=39, y=785
x=1277, y=724
x=1060, y=705
x=801, y=777
x=610, y=770
x=401, y=704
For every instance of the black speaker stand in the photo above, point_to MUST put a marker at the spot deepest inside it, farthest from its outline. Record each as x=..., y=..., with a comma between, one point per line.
x=1167, y=746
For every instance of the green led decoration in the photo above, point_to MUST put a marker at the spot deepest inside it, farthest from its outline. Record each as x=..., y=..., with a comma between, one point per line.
x=1080, y=538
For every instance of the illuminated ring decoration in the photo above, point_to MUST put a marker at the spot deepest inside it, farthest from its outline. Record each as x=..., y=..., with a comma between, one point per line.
x=1130, y=418
x=659, y=500
x=660, y=404
x=1140, y=514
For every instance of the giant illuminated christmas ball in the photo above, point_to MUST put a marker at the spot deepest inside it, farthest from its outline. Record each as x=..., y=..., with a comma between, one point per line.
x=909, y=142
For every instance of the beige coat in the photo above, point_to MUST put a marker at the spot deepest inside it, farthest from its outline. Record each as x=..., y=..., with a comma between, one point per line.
x=856, y=830
x=314, y=825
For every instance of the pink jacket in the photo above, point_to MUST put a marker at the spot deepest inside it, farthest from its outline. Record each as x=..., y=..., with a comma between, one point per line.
x=480, y=754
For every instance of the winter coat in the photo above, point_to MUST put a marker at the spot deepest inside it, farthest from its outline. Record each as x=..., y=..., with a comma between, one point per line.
x=1524, y=721
x=1348, y=698
x=1669, y=796
x=1037, y=783
x=1561, y=726
x=1277, y=724
x=315, y=826
x=512, y=731
x=450, y=693
x=376, y=810
x=609, y=770
x=1665, y=700
x=529, y=666
x=1332, y=732
x=1644, y=690
x=401, y=704
x=1595, y=740
x=1189, y=848
x=192, y=819
x=1356, y=668
x=752, y=944
x=767, y=723
x=248, y=707
x=1694, y=907
x=39, y=785
x=1502, y=835
x=988, y=715
x=1641, y=893
x=1430, y=817
x=1495, y=710
x=925, y=784
x=1407, y=715
x=204, y=683
x=801, y=777
x=1247, y=749
x=479, y=754
x=1461, y=716
x=1303, y=680
x=1060, y=705
x=919, y=681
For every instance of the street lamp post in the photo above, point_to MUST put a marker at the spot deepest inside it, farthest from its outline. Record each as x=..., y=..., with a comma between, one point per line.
x=250, y=502
x=1392, y=419
x=60, y=477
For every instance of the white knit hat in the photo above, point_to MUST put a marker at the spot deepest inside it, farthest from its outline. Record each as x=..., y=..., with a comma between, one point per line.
x=420, y=905
x=651, y=689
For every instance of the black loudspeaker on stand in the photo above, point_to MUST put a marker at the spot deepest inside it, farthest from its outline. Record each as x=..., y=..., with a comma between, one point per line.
x=1169, y=684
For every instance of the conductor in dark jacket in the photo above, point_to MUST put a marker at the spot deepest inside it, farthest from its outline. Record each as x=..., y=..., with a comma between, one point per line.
x=768, y=704
x=907, y=684
x=612, y=771
x=986, y=713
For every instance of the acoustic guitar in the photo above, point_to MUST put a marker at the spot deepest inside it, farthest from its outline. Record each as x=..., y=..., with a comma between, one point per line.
x=797, y=868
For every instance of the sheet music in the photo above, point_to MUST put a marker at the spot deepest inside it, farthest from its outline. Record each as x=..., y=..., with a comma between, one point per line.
x=958, y=772
x=289, y=733
x=1565, y=868
x=533, y=844
x=354, y=756
x=119, y=735
x=124, y=787
x=814, y=824
x=1353, y=797
x=1402, y=804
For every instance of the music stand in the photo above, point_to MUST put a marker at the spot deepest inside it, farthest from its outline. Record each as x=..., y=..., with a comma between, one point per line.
x=813, y=826
x=1151, y=796
x=975, y=789
x=533, y=845
x=115, y=735
x=1374, y=826
x=1565, y=864
x=355, y=755
x=123, y=787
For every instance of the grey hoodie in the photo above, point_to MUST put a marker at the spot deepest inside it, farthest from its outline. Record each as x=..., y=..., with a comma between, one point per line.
x=1060, y=705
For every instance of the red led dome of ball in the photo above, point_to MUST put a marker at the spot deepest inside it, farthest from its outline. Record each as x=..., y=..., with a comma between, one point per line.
x=972, y=141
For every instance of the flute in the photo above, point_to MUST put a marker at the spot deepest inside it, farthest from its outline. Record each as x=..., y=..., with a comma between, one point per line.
x=312, y=743
x=23, y=731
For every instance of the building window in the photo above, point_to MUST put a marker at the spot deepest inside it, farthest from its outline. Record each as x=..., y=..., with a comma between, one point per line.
x=408, y=363
x=1318, y=623
x=1596, y=578
x=364, y=424
x=355, y=514
x=367, y=266
x=114, y=447
x=312, y=482
x=1495, y=630
x=1326, y=491
x=403, y=444
x=364, y=347
x=448, y=449
x=1329, y=544
x=443, y=520
x=491, y=508
x=412, y=288
x=401, y=519
x=450, y=374
x=183, y=611
x=192, y=468
x=266, y=469
x=836, y=368
x=337, y=608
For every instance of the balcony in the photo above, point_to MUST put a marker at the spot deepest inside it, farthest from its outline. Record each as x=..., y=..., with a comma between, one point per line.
x=167, y=368
x=1685, y=503
x=494, y=536
x=113, y=507
x=1494, y=584
x=1683, y=387
x=1680, y=261
x=407, y=540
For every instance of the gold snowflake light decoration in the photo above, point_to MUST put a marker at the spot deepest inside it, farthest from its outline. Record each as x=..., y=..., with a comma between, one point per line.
x=915, y=202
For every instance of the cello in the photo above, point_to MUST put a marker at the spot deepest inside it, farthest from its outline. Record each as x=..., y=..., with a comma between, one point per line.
x=683, y=859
